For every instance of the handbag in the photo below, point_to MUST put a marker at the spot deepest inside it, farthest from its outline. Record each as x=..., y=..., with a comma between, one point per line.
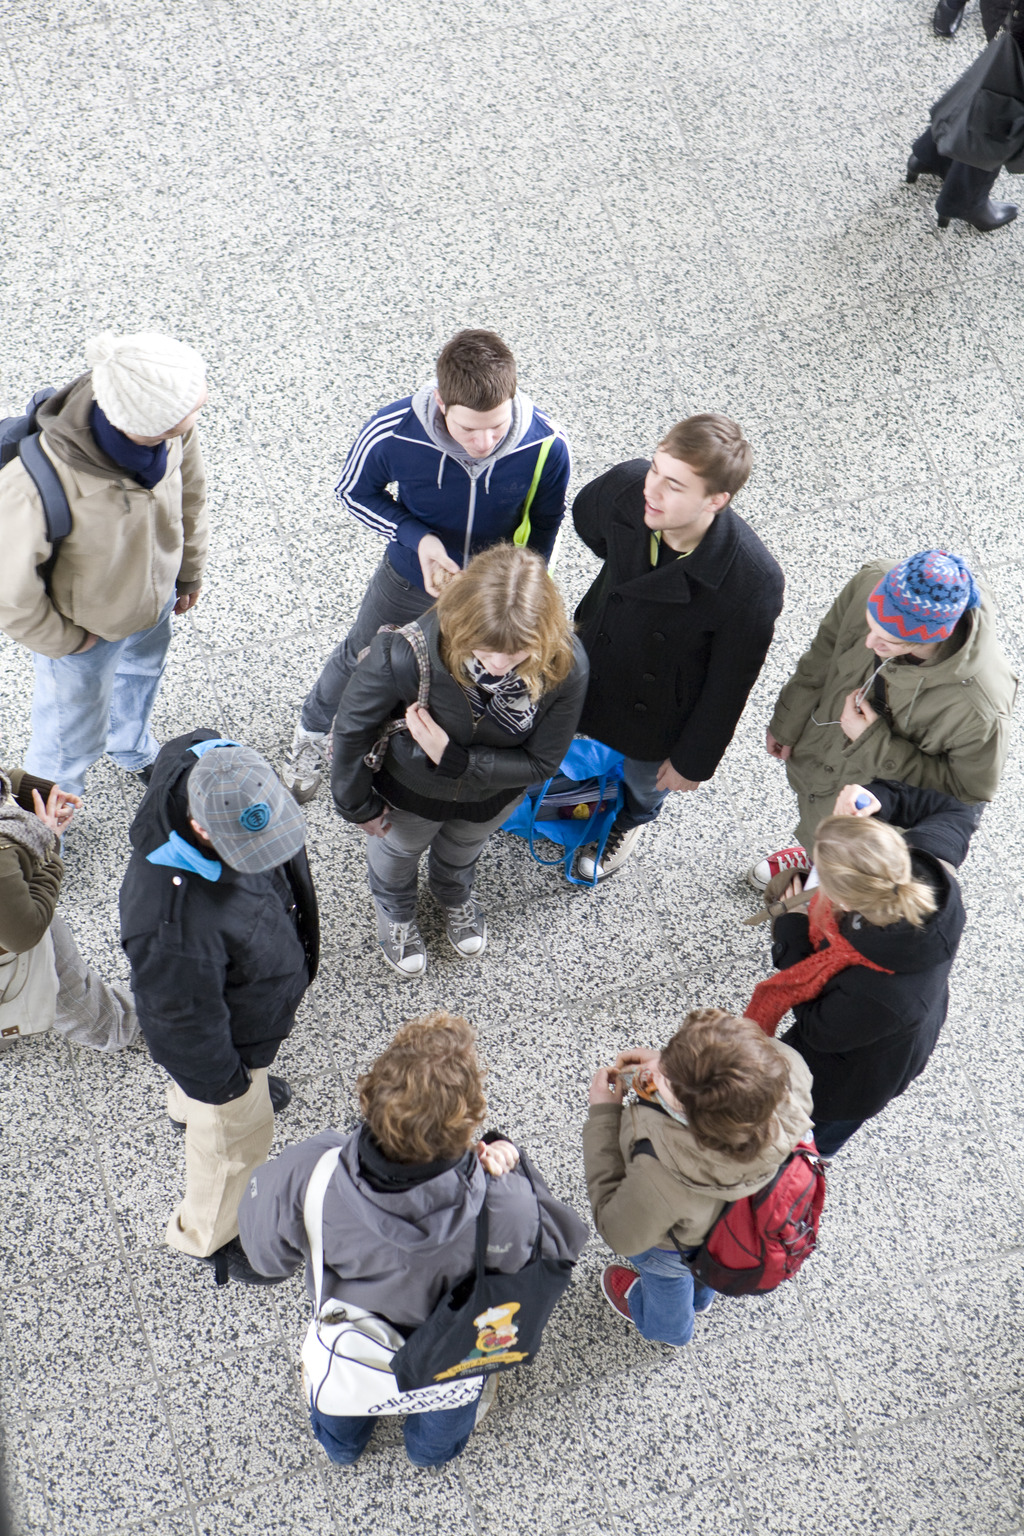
x=576, y=806
x=487, y=1322
x=980, y=119
x=374, y=759
x=347, y=1353
x=28, y=990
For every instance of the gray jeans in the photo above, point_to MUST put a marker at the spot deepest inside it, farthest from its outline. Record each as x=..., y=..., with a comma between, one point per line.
x=389, y=599
x=90, y=1011
x=455, y=846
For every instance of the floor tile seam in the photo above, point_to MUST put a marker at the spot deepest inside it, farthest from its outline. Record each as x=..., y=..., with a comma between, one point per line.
x=709, y=1414
x=140, y=1313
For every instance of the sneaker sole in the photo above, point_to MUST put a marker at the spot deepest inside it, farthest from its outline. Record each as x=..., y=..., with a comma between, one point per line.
x=302, y=796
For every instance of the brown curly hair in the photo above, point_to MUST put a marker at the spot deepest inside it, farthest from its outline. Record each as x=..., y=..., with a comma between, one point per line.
x=729, y=1079
x=423, y=1098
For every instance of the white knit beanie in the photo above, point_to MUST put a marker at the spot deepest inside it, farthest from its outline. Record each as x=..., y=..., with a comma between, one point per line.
x=144, y=383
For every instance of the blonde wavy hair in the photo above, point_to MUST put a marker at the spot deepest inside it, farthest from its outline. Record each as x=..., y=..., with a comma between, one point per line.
x=505, y=601
x=423, y=1098
x=864, y=866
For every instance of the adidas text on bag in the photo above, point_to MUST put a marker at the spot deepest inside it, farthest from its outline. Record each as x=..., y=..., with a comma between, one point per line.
x=763, y=1239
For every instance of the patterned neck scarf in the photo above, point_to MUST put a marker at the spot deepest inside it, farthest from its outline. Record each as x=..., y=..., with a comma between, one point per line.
x=806, y=979
x=506, y=699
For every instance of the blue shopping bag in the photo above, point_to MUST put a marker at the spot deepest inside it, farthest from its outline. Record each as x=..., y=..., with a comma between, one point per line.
x=590, y=776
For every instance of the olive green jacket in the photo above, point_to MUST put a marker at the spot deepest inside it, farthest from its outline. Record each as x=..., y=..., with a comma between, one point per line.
x=29, y=889
x=950, y=717
x=643, y=1201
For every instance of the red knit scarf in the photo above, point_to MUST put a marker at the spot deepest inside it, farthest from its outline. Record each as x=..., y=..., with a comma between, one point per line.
x=807, y=978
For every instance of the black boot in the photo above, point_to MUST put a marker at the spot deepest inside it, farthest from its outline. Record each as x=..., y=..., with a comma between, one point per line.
x=987, y=216
x=916, y=168
x=231, y=1263
x=948, y=16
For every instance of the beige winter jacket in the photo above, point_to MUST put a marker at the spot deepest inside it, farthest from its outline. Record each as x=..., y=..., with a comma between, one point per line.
x=950, y=717
x=128, y=550
x=642, y=1202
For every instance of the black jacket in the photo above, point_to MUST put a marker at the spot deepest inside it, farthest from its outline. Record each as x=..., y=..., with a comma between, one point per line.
x=866, y=1036
x=493, y=767
x=218, y=967
x=674, y=650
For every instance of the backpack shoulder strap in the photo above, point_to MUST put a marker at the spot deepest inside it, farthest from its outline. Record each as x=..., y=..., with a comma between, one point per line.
x=418, y=640
x=47, y=482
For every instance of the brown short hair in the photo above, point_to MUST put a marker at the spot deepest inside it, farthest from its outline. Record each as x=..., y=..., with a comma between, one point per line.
x=715, y=448
x=864, y=866
x=505, y=601
x=423, y=1098
x=729, y=1079
x=477, y=370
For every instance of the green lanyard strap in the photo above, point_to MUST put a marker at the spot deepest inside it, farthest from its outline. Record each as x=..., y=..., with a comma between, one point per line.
x=522, y=533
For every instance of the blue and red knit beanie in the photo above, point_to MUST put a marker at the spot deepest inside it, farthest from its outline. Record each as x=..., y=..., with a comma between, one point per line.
x=921, y=599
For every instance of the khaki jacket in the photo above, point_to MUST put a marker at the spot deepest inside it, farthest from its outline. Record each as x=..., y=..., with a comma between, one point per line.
x=951, y=717
x=128, y=550
x=642, y=1202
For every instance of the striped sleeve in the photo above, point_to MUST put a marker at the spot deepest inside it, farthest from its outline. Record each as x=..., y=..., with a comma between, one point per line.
x=362, y=489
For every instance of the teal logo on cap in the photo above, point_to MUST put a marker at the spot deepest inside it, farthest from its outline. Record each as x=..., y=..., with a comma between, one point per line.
x=255, y=817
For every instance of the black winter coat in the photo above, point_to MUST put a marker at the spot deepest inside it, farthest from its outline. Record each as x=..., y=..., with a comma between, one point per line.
x=484, y=765
x=218, y=967
x=674, y=650
x=866, y=1036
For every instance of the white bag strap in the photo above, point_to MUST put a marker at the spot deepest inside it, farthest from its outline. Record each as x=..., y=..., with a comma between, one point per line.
x=313, y=1215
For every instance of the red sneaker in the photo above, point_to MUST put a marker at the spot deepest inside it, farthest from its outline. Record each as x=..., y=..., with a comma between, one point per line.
x=617, y=1280
x=794, y=860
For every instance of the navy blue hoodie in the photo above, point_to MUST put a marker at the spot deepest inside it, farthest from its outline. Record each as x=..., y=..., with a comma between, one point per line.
x=468, y=503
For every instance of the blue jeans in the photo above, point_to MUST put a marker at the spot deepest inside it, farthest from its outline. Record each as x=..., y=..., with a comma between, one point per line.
x=663, y=1300
x=98, y=702
x=643, y=800
x=389, y=599
x=431, y=1439
x=830, y=1135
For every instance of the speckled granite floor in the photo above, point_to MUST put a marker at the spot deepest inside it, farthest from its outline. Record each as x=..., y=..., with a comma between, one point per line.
x=663, y=210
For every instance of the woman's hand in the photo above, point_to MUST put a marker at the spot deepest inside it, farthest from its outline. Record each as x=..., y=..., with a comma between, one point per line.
x=426, y=732
x=497, y=1157
x=378, y=827
x=846, y=802
x=604, y=1087
x=58, y=810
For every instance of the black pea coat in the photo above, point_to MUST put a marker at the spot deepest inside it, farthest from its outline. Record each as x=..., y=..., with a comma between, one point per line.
x=218, y=966
x=674, y=650
x=868, y=1034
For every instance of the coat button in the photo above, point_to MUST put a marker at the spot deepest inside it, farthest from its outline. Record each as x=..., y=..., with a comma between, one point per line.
x=616, y=597
x=890, y=762
x=602, y=636
x=658, y=636
x=640, y=709
x=649, y=677
x=829, y=768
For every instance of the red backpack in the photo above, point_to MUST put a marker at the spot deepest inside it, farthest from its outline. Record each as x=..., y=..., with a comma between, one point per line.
x=763, y=1239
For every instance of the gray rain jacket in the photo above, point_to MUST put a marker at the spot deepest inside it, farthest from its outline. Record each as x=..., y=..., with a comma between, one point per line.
x=398, y=1252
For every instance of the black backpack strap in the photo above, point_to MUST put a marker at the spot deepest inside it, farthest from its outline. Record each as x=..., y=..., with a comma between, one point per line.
x=47, y=482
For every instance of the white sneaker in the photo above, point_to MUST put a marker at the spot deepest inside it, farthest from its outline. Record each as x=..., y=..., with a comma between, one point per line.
x=620, y=844
x=304, y=763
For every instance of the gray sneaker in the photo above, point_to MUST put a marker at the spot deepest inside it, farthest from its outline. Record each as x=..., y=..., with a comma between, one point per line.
x=304, y=763
x=402, y=946
x=466, y=927
x=620, y=844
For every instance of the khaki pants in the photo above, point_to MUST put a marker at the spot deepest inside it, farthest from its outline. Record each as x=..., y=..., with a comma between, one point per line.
x=223, y=1144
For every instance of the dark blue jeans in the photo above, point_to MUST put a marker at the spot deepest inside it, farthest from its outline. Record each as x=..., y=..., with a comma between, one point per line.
x=662, y=1302
x=830, y=1135
x=431, y=1439
x=642, y=799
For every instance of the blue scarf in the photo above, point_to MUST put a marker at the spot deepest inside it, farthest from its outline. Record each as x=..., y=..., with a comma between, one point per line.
x=146, y=465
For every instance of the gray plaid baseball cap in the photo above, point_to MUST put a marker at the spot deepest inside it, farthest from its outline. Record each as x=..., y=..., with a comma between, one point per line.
x=253, y=822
